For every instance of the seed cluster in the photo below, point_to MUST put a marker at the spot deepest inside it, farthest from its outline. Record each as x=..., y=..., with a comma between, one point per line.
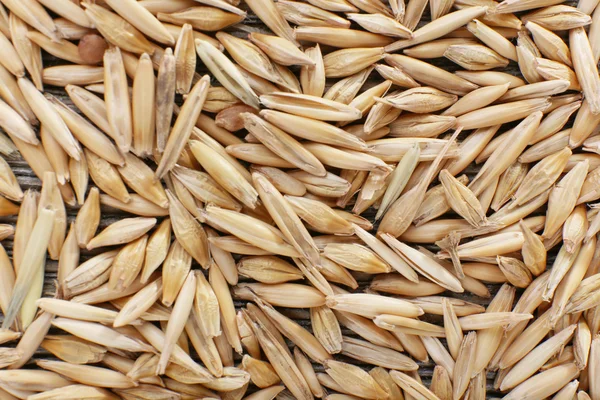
x=253, y=188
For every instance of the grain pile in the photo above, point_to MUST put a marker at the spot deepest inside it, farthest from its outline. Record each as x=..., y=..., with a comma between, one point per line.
x=251, y=183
